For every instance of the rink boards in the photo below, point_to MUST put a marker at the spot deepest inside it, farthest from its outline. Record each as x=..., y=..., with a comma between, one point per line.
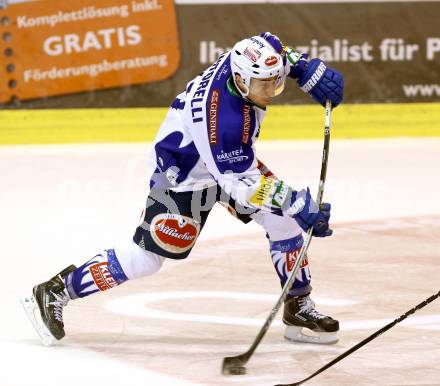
x=282, y=123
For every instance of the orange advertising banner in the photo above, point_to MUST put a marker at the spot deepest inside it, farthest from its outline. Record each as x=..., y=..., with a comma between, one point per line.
x=54, y=47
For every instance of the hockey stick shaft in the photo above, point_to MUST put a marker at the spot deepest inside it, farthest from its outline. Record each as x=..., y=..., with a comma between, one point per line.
x=242, y=359
x=366, y=340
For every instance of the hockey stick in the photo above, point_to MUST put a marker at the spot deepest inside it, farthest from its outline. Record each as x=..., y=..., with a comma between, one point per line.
x=366, y=340
x=236, y=365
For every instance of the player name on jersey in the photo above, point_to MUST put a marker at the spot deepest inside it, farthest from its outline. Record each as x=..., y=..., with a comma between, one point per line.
x=197, y=99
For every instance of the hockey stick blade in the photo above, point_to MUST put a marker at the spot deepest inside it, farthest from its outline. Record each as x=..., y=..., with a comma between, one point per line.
x=234, y=365
x=366, y=340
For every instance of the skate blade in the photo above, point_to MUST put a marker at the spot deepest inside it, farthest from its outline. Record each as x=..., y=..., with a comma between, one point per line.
x=33, y=313
x=305, y=335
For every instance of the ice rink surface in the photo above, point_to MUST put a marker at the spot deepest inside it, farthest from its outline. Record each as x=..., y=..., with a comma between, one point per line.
x=63, y=204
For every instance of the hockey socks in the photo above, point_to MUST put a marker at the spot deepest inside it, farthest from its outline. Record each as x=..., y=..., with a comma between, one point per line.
x=111, y=268
x=100, y=273
x=284, y=254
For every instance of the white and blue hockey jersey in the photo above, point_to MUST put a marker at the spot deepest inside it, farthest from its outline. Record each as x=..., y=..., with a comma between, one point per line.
x=208, y=138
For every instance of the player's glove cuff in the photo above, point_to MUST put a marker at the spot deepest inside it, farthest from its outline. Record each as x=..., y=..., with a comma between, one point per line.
x=307, y=213
x=296, y=63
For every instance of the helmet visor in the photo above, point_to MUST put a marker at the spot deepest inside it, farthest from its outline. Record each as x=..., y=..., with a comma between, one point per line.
x=269, y=87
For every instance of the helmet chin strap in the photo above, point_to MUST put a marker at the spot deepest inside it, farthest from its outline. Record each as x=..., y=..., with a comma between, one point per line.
x=239, y=87
x=244, y=95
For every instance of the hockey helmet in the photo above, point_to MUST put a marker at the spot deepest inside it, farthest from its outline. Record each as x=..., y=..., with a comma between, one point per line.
x=255, y=59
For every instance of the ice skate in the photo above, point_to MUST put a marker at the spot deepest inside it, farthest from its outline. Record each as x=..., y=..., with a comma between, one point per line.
x=305, y=324
x=45, y=307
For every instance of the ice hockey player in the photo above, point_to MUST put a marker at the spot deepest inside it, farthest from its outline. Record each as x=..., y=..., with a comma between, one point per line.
x=204, y=153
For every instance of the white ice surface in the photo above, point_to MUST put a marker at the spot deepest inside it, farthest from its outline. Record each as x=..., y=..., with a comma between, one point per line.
x=60, y=204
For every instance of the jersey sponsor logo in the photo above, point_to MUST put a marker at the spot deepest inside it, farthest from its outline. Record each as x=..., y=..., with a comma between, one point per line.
x=246, y=123
x=252, y=54
x=263, y=195
x=291, y=259
x=102, y=276
x=213, y=115
x=231, y=156
x=271, y=61
x=317, y=75
x=174, y=233
x=282, y=191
